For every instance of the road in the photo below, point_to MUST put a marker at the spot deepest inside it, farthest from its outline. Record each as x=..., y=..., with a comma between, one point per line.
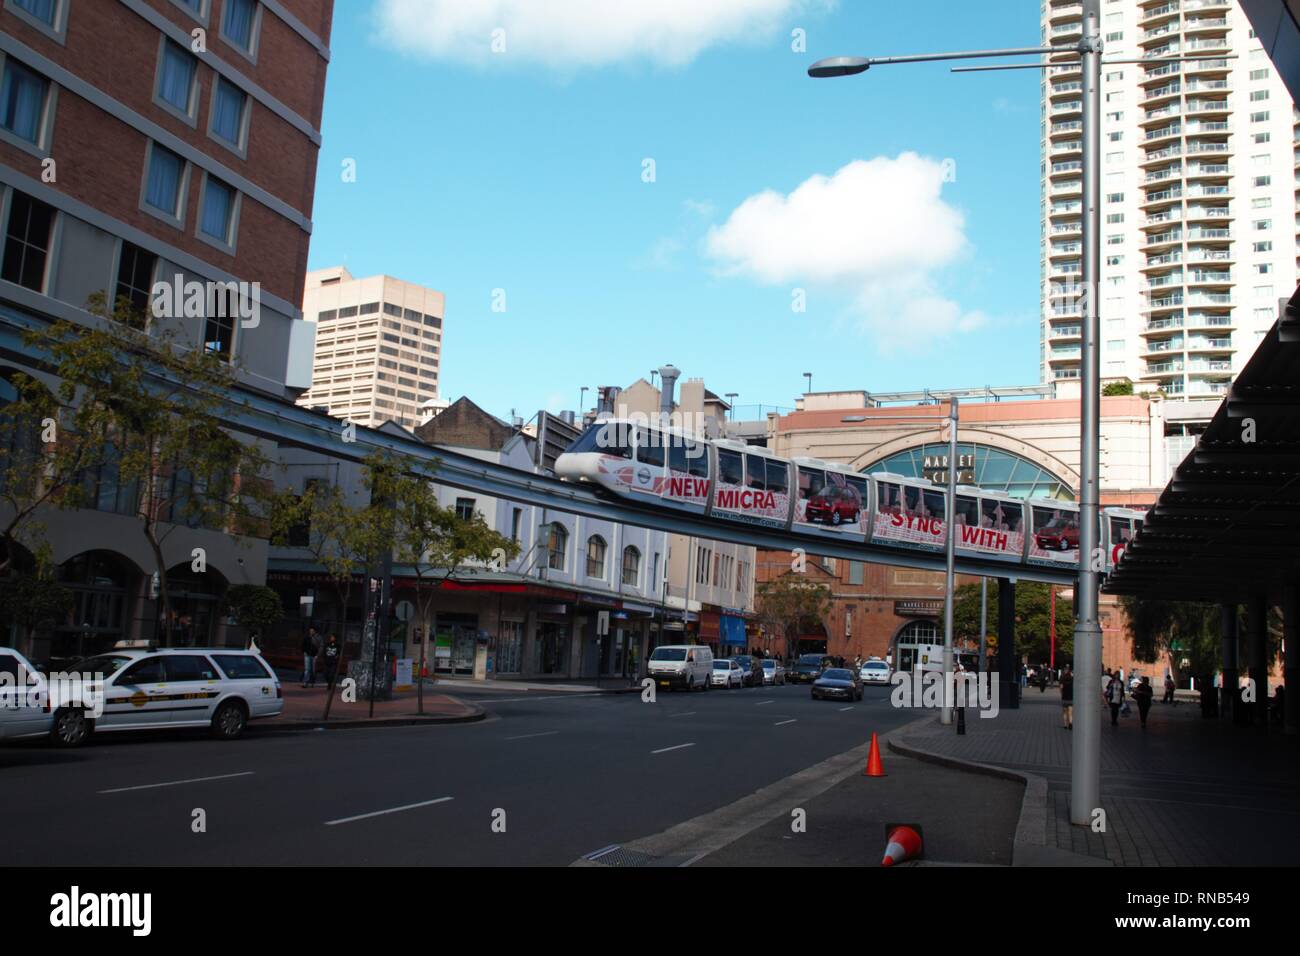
x=572, y=773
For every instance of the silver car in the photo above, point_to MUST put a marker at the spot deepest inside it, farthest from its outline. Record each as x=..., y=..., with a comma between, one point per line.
x=773, y=671
x=874, y=672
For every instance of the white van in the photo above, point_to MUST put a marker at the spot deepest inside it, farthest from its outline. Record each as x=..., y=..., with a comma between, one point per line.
x=24, y=698
x=682, y=665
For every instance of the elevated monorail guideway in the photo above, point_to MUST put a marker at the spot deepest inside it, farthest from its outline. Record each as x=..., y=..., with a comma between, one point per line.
x=822, y=507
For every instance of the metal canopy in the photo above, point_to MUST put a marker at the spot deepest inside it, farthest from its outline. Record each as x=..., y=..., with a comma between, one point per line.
x=1227, y=524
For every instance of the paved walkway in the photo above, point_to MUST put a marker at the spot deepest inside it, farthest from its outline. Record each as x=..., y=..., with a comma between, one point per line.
x=1184, y=792
x=306, y=707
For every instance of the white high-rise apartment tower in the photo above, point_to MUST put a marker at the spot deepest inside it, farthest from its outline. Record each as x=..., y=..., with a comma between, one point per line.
x=378, y=346
x=1199, y=196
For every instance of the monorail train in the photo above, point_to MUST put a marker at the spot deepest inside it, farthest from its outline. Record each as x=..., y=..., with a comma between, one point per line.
x=739, y=482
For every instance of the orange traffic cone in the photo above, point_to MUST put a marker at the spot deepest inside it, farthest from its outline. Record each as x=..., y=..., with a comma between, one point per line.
x=904, y=844
x=874, y=767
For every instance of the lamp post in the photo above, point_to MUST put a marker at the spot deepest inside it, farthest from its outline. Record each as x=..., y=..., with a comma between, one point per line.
x=731, y=403
x=1085, y=784
x=808, y=376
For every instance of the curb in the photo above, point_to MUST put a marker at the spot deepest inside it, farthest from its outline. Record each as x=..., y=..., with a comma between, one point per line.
x=411, y=720
x=1031, y=828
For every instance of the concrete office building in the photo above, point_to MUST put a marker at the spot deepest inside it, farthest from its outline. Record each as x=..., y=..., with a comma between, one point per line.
x=1198, y=233
x=378, y=347
x=129, y=159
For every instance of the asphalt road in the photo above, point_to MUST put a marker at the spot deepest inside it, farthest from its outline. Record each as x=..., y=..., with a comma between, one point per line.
x=572, y=773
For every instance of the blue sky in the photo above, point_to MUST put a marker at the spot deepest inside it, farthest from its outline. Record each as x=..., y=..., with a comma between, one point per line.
x=523, y=171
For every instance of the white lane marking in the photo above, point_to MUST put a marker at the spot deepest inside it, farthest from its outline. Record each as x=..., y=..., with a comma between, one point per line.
x=544, y=733
x=177, y=783
x=380, y=813
x=666, y=749
x=780, y=722
x=689, y=713
x=843, y=709
x=762, y=702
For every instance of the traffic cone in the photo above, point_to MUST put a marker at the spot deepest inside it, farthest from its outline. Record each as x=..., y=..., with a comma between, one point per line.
x=874, y=767
x=904, y=843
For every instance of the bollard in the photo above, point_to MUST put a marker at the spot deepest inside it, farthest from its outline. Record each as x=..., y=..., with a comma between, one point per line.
x=961, y=720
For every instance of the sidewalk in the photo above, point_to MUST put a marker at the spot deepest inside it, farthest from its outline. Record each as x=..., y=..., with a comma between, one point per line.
x=1184, y=792
x=608, y=685
x=304, y=707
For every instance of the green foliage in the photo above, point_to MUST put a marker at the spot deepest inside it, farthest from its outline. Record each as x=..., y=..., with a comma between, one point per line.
x=1187, y=631
x=32, y=600
x=789, y=602
x=255, y=606
x=1117, y=388
x=1033, y=619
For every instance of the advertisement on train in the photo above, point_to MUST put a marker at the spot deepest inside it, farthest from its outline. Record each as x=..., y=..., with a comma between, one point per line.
x=752, y=488
x=909, y=516
x=1056, y=535
x=831, y=499
x=990, y=526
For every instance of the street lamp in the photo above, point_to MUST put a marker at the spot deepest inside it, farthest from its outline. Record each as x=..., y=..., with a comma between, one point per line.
x=808, y=375
x=1085, y=780
x=731, y=403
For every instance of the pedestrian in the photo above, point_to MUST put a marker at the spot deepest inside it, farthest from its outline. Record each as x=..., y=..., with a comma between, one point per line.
x=1143, y=693
x=1114, y=695
x=1169, y=689
x=331, y=655
x=310, y=651
x=1067, y=698
x=1042, y=679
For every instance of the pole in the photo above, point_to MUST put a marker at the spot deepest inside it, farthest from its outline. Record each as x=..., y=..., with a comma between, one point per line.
x=1051, y=588
x=984, y=622
x=945, y=716
x=1085, y=757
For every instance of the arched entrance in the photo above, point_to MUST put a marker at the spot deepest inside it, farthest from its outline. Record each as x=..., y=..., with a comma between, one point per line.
x=910, y=638
x=195, y=601
x=104, y=587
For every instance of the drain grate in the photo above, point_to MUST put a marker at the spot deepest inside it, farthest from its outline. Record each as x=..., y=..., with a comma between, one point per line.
x=621, y=856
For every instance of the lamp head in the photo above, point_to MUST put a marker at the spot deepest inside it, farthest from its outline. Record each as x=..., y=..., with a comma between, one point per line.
x=839, y=66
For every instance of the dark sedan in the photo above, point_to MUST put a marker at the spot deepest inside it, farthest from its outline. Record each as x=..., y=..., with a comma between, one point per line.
x=807, y=668
x=837, y=683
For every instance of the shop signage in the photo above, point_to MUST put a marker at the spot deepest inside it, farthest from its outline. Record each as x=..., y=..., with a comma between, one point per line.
x=918, y=607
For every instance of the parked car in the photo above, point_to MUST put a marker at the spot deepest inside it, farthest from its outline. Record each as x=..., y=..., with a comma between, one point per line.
x=727, y=673
x=752, y=670
x=809, y=667
x=24, y=698
x=874, y=671
x=773, y=671
x=837, y=683
x=681, y=665
x=1059, y=535
x=150, y=689
x=834, y=505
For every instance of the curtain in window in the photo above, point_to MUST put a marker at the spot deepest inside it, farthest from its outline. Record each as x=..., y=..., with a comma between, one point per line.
x=227, y=113
x=23, y=101
x=164, y=180
x=239, y=21
x=177, y=78
x=40, y=9
x=216, y=210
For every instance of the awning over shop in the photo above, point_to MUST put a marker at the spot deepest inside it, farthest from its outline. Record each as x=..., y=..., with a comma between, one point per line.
x=732, y=630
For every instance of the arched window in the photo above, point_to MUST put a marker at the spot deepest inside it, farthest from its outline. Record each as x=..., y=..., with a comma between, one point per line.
x=595, y=556
x=631, y=566
x=557, y=547
x=990, y=468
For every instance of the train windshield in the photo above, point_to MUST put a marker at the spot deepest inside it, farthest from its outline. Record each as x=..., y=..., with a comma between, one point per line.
x=604, y=438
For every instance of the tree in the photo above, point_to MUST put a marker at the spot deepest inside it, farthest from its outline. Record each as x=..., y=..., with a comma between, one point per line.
x=1033, y=618
x=434, y=541
x=1117, y=388
x=31, y=600
x=788, y=602
x=254, y=606
x=153, y=409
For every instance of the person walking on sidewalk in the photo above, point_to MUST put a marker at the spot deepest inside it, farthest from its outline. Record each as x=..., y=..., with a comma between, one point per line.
x=1143, y=693
x=310, y=651
x=331, y=655
x=1067, y=698
x=1115, y=697
x=1169, y=689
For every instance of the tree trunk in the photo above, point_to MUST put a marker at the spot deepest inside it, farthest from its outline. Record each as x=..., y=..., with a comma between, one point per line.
x=342, y=594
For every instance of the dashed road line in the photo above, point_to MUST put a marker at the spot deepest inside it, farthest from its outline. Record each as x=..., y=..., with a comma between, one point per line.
x=177, y=783
x=544, y=733
x=665, y=750
x=780, y=722
x=380, y=813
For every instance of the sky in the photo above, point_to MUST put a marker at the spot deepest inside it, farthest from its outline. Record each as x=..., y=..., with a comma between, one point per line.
x=602, y=188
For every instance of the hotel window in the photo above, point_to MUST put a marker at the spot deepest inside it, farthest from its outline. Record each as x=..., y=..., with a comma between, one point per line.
x=220, y=211
x=370, y=308
x=1258, y=95
x=219, y=329
x=198, y=9
x=1261, y=117
x=557, y=547
x=516, y=517
x=1259, y=74
x=164, y=181
x=1261, y=181
x=239, y=23
x=631, y=566
x=48, y=16
x=390, y=309
x=25, y=98
x=1262, y=246
x=465, y=509
x=595, y=556
x=135, y=269
x=177, y=81
x=229, y=114
x=27, y=242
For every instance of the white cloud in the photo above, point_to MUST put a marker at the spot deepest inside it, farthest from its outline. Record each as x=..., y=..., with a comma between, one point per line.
x=571, y=33
x=879, y=229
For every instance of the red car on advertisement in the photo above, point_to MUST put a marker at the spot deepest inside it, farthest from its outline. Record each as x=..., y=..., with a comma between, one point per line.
x=1061, y=535
x=834, y=504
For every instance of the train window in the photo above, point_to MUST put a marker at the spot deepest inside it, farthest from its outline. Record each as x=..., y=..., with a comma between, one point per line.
x=911, y=499
x=778, y=476
x=697, y=459
x=934, y=504
x=755, y=473
x=731, y=469
x=1000, y=515
x=649, y=448
x=605, y=438
x=859, y=485
x=968, y=511
x=1120, y=531
x=1137, y=526
x=677, y=456
x=889, y=498
x=810, y=482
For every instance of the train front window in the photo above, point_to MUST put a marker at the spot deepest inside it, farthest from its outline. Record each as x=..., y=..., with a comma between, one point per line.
x=731, y=467
x=603, y=438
